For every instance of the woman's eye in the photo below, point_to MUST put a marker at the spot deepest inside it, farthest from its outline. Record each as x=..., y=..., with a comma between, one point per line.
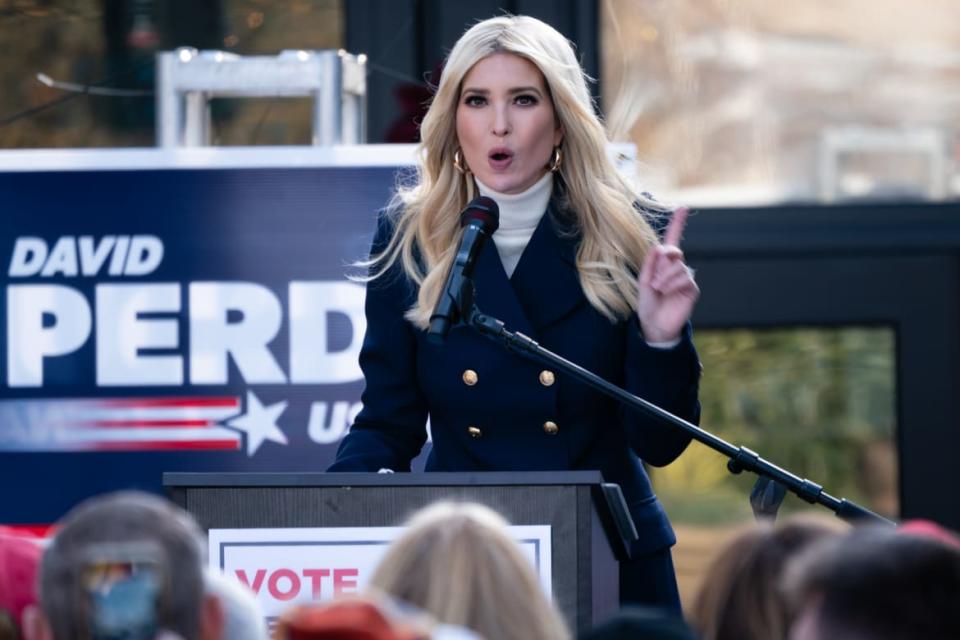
x=526, y=100
x=474, y=101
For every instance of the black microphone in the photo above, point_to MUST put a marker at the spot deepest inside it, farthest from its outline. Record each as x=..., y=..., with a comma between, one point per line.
x=480, y=219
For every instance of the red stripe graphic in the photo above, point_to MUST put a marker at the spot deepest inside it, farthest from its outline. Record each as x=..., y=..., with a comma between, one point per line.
x=171, y=402
x=36, y=530
x=148, y=445
x=177, y=423
x=143, y=424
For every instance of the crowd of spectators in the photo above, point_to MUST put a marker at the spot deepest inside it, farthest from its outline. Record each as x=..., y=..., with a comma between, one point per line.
x=737, y=599
x=131, y=566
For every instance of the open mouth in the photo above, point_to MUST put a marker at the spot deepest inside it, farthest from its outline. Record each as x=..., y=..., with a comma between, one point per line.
x=500, y=159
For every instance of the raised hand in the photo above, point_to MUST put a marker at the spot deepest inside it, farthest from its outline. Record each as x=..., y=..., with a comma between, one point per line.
x=667, y=290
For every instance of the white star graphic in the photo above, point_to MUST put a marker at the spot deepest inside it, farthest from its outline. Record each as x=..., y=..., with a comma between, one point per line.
x=259, y=423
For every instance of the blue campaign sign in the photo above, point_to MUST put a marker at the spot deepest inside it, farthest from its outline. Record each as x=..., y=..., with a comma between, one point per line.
x=176, y=319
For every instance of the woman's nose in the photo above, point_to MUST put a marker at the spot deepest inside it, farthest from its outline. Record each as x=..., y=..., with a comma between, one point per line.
x=501, y=121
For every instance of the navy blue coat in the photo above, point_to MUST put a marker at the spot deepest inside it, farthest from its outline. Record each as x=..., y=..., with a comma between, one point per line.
x=498, y=423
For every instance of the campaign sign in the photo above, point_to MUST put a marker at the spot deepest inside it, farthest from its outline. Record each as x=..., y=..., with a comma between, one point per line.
x=289, y=566
x=185, y=319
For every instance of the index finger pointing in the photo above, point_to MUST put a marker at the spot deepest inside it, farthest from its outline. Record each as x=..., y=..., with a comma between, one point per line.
x=675, y=229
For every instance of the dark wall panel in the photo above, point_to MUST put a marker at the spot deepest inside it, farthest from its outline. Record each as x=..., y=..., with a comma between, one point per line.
x=407, y=39
x=388, y=32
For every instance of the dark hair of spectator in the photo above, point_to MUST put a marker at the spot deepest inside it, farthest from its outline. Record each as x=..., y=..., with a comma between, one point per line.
x=739, y=599
x=8, y=629
x=649, y=623
x=878, y=584
x=119, y=519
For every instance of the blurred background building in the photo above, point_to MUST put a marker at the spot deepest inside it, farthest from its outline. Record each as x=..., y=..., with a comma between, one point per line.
x=750, y=100
x=727, y=101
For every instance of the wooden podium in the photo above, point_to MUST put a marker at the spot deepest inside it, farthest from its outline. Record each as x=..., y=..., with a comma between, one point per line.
x=590, y=526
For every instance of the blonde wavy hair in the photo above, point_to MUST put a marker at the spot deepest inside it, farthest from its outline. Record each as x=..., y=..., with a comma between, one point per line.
x=458, y=562
x=597, y=201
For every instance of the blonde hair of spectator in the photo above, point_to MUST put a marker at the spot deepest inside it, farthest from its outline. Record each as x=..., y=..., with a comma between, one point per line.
x=740, y=598
x=459, y=563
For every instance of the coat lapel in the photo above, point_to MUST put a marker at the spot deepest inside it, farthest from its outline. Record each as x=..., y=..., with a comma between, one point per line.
x=546, y=281
x=545, y=285
x=494, y=294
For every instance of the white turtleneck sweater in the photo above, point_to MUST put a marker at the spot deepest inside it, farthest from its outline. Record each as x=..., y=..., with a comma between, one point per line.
x=520, y=214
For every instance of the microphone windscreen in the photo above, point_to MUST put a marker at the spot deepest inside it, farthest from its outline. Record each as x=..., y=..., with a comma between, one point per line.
x=483, y=210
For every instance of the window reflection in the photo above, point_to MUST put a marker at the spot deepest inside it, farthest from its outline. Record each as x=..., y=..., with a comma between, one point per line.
x=820, y=402
x=746, y=102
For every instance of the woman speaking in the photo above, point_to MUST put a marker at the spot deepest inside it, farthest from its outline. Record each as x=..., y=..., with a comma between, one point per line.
x=575, y=264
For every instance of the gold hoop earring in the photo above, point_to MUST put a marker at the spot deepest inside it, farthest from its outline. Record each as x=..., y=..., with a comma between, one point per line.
x=556, y=161
x=458, y=163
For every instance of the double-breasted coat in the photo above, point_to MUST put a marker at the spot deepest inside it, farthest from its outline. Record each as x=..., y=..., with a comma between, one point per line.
x=493, y=410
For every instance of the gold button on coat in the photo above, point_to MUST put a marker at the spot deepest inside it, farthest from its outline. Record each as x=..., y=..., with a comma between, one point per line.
x=474, y=431
x=547, y=378
x=470, y=377
x=550, y=427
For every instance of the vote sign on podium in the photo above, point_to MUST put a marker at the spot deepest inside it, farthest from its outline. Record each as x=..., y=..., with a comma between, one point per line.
x=287, y=566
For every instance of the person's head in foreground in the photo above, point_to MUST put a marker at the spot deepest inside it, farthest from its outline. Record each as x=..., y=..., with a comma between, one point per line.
x=370, y=617
x=511, y=112
x=876, y=584
x=126, y=565
x=458, y=562
x=242, y=616
x=739, y=598
x=646, y=623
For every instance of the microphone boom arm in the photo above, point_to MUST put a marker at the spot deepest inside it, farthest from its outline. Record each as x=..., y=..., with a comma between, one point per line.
x=739, y=458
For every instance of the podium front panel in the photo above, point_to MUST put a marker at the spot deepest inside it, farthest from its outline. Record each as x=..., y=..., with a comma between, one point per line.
x=584, y=572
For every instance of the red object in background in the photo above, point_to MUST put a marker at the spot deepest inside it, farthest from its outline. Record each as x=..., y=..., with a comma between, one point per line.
x=346, y=620
x=930, y=529
x=29, y=530
x=413, y=100
x=20, y=553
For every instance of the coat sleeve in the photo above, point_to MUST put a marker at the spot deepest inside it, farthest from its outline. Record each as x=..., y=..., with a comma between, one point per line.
x=670, y=379
x=390, y=429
